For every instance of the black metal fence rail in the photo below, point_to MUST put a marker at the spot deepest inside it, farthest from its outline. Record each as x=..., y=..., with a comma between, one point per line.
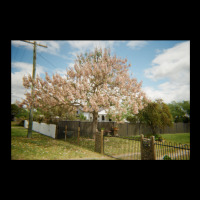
x=169, y=151
x=122, y=148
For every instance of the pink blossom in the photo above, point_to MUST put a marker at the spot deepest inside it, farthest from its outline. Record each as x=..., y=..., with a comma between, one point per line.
x=94, y=83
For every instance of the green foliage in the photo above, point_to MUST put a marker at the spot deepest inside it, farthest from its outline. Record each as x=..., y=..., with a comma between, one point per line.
x=156, y=114
x=53, y=115
x=14, y=109
x=135, y=118
x=157, y=136
x=180, y=111
x=81, y=117
x=18, y=112
x=166, y=157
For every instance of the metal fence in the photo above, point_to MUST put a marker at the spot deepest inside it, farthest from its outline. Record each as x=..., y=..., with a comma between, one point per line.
x=122, y=148
x=169, y=151
x=129, y=148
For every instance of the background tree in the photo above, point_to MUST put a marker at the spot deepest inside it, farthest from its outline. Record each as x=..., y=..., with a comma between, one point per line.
x=180, y=111
x=97, y=81
x=156, y=115
x=18, y=112
x=81, y=117
x=14, y=111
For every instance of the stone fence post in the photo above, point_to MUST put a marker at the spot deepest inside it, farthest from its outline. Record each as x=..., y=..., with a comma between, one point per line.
x=99, y=142
x=148, y=148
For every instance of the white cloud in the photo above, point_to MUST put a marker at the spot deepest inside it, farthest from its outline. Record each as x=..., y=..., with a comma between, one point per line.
x=19, y=43
x=21, y=69
x=90, y=44
x=53, y=47
x=81, y=46
x=135, y=44
x=153, y=94
x=172, y=64
x=27, y=67
x=168, y=92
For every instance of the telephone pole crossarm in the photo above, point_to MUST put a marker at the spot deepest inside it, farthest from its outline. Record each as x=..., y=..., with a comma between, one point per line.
x=33, y=43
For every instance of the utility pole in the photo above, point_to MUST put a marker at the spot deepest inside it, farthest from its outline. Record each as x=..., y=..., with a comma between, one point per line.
x=29, y=135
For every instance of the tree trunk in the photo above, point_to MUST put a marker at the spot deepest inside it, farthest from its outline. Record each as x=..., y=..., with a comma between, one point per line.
x=94, y=124
x=153, y=130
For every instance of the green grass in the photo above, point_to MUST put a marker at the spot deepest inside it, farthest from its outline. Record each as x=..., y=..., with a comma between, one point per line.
x=182, y=138
x=41, y=147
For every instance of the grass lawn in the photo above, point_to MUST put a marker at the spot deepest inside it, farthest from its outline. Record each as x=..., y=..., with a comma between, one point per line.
x=182, y=138
x=41, y=147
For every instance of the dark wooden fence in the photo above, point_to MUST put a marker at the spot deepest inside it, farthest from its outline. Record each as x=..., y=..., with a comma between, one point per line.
x=126, y=129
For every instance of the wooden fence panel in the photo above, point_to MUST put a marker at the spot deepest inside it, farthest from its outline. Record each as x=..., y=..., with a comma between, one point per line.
x=126, y=129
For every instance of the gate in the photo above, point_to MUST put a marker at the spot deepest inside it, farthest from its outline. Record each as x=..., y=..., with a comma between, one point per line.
x=72, y=128
x=123, y=148
x=77, y=133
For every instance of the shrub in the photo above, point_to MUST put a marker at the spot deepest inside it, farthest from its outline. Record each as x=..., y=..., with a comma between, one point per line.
x=157, y=137
x=166, y=157
x=20, y=121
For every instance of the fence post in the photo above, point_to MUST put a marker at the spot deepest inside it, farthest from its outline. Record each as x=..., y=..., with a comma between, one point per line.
x=99, y=143
x=141, y=143
x=102, y=143
x=79, y=128
x=65, y=132
x=148, y=148
x=153, y=150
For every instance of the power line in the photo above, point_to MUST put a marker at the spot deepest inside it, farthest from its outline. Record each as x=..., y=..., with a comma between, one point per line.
x=22, y=55
x=47, y=60
x=18, y=54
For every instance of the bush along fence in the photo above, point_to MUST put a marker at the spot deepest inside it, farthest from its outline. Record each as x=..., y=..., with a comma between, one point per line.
x=128, y=148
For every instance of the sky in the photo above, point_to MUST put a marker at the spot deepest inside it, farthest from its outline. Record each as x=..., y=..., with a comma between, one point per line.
x=162, y=65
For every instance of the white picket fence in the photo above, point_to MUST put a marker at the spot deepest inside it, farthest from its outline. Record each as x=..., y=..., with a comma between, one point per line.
x=45, y=129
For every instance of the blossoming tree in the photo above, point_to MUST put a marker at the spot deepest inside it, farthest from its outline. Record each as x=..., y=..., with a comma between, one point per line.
x=97, y=81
